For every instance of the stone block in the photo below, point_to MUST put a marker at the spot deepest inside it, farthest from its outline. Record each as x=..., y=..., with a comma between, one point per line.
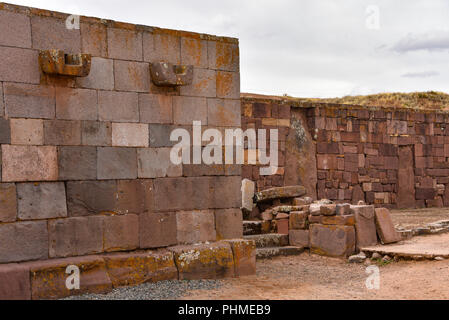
x=121, y=232
x=385, y=228
x=280, y=193
x=19, y=65
x=116, y=163
x=27, y=131
x=29, y=163
x=75, y=236
x=15, y=280
x=16, y=29
x=195, y=226
x=134, y=196
x=155, y=108
x=194, y=52
x=62, y=132
x=131, y=76
x=8, y=202
x=156, y=163
x=43, y=200
x=228, y=85
x=118, y=106
x=94, y=40
x=158, y=229
x=282, y=226
x=5, y=131
x=343, y=209
x=223, y=56
x=134, y=268
x=298, y=238
x=77, y=163
x=160, y=135
x=130, y=135
x=161, y=47
x=189, y=109
x=248, y=188
x=76, y=104
x=96, y=133
x=101, y=75
x=425, y=193
x=48, y=278
x=90, y=197
x=51, y=33
x=244, y=252
x=332, y=240
x=314, y=219
x=205, y=261
x=364, y=225
x=23, y=241
x=328, y=209
x=229, y=224
x=223, y=112
x=345, y=220
x=124, y=44
x=204, y=84
x=29, y=101
x=297, y=220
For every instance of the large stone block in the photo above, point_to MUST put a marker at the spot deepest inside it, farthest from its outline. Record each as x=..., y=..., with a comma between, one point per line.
x=297, y=220
x=331, y=240
x=27, y=131
x=22, y=241
x=76, y=104
x=62, y=132
x=29, y=101
x=124, y=44
x=204, y=84
x=160, y=135
x=131, y=76
x=75, y=236
x=48, y=278
x=121, y=232
x=44, y=200
x=195, y=226
x=189, y=109
x=244, y=252
x=77, y=163
x=116, y=163
x=223, y=112
x=94, y=40
x=229, y=224
x=15, y=280
x=385, y=227
x=155, y=108
x=223, y=56
x=130, y=135
x=161, y=47
x=19, y=65
x=90, y=197
x=101, y=75
x=134, y=196
x=194, y=52
x=5, y=131
x=364, y=225
x=206, y=261
x=8, y=202
x=130, y=269
x=29, y=163
x=51, y=33
x=280, y=192
x=298, y=238
x=96, y=133
x=118, y=106
x=345, y=220
x=156, y=163
x=158, y=229
x=16, y=29
x=248, y=188
x=228, y=85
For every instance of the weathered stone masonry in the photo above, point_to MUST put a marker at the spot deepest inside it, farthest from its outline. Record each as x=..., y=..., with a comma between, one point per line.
x=85, y=165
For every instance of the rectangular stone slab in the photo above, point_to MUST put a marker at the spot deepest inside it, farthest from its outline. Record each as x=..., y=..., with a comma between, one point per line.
x=385, y=228
x=332, y=240
x=364, y=225
x=279, y=193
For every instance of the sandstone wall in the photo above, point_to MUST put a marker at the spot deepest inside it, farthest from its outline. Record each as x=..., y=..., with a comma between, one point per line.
x=85, y=161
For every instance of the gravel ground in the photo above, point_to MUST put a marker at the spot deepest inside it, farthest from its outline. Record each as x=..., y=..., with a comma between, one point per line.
x=413, y=218
x=163, y=290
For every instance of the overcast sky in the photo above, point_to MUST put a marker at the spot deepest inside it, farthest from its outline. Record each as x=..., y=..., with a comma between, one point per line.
x=306, y=48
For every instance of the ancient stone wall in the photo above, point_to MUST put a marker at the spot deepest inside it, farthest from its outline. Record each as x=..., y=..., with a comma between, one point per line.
x=85, y=160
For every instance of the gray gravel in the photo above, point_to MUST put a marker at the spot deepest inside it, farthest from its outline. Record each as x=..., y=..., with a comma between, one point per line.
x=163, y=290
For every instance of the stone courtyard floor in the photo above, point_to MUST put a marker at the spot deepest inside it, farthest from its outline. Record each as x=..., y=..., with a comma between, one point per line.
x=412, y=218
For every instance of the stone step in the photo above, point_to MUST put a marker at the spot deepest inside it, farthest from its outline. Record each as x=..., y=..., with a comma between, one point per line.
x=252, y=227
x=269, y=240
x=269, y=252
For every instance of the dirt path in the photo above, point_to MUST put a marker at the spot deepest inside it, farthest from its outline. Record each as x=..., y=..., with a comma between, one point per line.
x=314, y=277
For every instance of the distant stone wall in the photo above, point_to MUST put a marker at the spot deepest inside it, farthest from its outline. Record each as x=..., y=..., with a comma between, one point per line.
x=85, y=161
